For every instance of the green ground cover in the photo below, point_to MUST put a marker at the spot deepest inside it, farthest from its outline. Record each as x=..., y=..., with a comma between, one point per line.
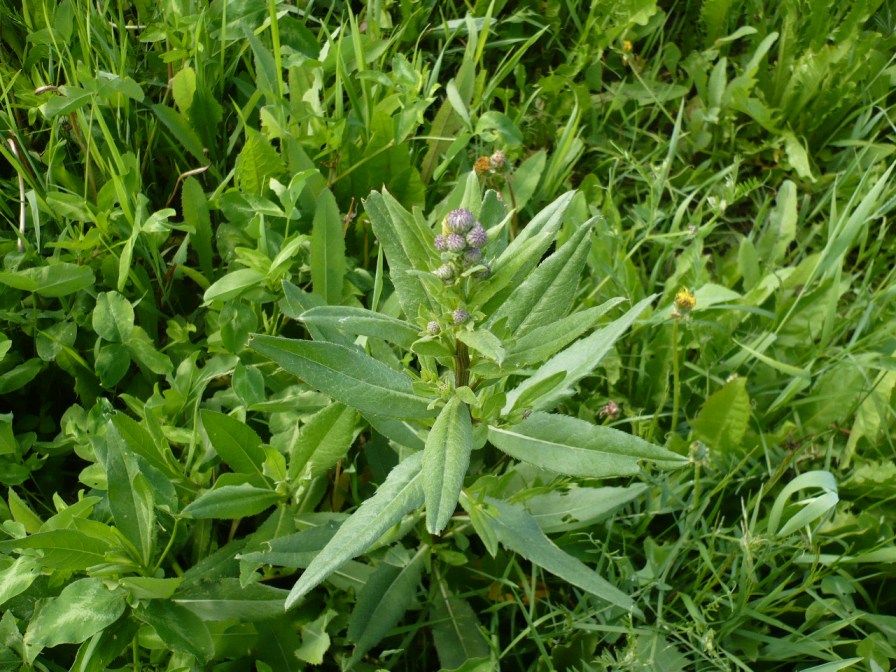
x=270, y=400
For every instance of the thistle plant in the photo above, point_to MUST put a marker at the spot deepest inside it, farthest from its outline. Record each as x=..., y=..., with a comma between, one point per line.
x=488, y=346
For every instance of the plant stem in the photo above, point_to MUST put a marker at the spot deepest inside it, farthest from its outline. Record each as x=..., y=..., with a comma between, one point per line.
x=676, y=387
x=461, y=365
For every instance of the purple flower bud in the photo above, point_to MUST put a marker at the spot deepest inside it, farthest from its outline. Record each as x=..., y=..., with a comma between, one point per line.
x=461, y=316
x=440, y=243
x=444, y=272
x=472, y=257
x=459, y=221
x=477, y=237
x=455, y=242
x=433, y=328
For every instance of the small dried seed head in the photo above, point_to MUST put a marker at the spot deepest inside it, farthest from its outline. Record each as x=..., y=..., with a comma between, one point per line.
x=455, y=242
x=461, y=316
x=610, y=411
x=440, y=243
x=477, y=237
x=433, y=328
x=497, y=160
x=482, y=166
x=458, y=221
x=444, y=272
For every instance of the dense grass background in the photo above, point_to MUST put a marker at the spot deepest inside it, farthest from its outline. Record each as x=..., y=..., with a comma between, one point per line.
x=176, y=161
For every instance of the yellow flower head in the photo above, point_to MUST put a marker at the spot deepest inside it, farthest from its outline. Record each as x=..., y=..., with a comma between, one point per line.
x=685, y=301
x=627, y=46
x=482, y=165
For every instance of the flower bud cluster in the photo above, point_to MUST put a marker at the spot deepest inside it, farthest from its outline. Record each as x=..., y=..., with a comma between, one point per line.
x=460, y=242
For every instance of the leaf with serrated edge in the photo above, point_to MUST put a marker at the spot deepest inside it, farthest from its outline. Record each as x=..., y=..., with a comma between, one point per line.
x=401, y=492
x=518, y=532
x=348, y=375
x=575, y=447
x=445, y=461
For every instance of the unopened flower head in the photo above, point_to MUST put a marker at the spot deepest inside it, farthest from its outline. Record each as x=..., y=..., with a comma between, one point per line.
x=477, y=237
x=444, y=272
x=458, y=221
x=472, y=256
x=440, y=243
x=455, y=242
x=460, y=316
x=497, y=160
x=433, y=328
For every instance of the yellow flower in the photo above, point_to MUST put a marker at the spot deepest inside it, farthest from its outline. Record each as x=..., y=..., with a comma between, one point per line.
x=627, y=46
x=685, y=301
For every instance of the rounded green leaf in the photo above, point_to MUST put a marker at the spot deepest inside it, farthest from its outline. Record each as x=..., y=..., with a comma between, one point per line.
x=113, y=317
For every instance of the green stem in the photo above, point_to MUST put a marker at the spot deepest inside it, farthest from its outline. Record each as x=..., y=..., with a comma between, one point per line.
x=676, y=387
x=461, y=365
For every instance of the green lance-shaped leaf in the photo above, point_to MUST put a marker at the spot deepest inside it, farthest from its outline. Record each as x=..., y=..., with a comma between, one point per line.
x=576, y=361
x=445, y=461
x=401, y=492
x=518, y=532
x=235, y=442
x=455, y=628
x=130, y=495
x=179, y=627
x=408, y=244
x=323, y=440
x=83, y=608
x=545, y=341
x=382, y=602
x=362, y=322
x=68, y=549
x=231, y=501
x=225, y=599
x=348, y=375
x=50, y=281
x=327, y=249
x=577, y=448
x=521, y=255
x=547, y=294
